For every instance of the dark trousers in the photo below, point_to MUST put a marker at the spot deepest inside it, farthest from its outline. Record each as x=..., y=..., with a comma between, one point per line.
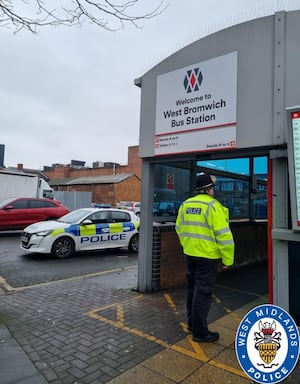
x=201, y=278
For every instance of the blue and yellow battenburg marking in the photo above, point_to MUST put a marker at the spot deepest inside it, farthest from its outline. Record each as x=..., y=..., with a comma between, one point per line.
x=96, y=229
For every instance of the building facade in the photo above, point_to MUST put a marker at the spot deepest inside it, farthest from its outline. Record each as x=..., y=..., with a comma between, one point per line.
x=109, y=183
x=228, y=96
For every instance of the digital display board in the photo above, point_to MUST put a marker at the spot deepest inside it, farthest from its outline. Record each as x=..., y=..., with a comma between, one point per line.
x=294, y=164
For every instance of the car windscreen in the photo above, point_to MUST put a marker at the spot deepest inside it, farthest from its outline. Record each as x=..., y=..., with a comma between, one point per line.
x=5, y=202
x=74, y=216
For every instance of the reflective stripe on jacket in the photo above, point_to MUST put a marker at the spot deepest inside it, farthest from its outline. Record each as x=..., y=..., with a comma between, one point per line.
x=202, y=226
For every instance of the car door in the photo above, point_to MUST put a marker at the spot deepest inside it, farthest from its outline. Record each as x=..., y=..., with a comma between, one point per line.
x=38, y=210
x=106, y=229
x=94, y=231
x=14, y=215
x=121, y=228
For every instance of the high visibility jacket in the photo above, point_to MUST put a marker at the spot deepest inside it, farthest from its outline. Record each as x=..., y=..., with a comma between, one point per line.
x=202, y=226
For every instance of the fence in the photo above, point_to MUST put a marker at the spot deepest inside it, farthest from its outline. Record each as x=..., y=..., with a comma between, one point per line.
x=74, y=200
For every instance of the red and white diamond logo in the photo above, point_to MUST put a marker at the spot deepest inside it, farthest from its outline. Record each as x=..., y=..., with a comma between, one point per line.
x=192, y=80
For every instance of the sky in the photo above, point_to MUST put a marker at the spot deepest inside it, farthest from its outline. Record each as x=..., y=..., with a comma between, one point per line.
x=68, y=93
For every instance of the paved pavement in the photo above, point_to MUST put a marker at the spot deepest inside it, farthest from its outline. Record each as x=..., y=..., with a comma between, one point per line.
x=100, y=330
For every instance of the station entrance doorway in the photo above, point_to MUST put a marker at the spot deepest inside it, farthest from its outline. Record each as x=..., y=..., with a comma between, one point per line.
x=245, y=185
x=241, y=186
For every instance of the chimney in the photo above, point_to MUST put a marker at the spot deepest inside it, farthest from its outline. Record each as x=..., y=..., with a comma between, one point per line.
x=20, y=167
x=2, y=149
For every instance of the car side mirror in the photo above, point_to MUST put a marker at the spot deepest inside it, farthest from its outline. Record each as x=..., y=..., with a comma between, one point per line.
x=8, y=208
x=87, y=222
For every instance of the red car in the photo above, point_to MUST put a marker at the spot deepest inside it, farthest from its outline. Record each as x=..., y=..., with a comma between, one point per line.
x=17, y=213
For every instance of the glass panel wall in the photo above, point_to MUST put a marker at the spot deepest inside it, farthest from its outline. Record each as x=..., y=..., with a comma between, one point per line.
x=259, y=197
x=233, y=194
x=171, y=188
x=241, y=186
x=238, y=166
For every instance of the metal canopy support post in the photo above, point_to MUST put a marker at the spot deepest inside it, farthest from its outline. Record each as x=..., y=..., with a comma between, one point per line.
x=280, y=221
x=281, y=274
x=279, y=79
x=146, y=229
x=280, y=166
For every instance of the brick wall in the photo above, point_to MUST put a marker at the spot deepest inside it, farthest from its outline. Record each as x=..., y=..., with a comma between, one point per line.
x=250, y=241
x=168, y=267
x=134, y=162
x=110, y=193
x=172, y=266
x=129, y=189
x=134, y=166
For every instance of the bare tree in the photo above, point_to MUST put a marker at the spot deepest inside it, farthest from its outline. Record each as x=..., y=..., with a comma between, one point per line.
x=110, y=15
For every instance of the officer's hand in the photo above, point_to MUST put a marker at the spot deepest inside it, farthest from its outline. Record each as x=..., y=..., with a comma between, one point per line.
x=224, y=267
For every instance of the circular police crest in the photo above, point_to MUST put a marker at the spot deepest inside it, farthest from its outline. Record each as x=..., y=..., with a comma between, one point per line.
x=267, y=344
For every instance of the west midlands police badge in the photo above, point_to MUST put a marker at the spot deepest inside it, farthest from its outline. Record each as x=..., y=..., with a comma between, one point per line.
x=267, y=344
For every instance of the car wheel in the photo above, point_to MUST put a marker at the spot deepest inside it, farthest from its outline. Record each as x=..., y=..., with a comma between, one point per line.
x=134, y=243
x=63, y=247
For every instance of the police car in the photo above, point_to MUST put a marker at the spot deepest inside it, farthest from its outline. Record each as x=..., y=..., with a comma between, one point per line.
x=82, y=230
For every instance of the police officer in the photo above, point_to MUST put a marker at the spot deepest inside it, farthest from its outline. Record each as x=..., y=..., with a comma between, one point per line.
x=204, y=234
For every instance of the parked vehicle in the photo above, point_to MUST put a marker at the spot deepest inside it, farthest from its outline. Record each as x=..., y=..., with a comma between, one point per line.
x=82, y=230
x=166, y=208
x=23, y=185
x=18, y=213
x=134, y=206
x=100, y=205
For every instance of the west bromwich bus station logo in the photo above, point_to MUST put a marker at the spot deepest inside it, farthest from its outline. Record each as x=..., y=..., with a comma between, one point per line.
x=267, y=344
x=192, y=80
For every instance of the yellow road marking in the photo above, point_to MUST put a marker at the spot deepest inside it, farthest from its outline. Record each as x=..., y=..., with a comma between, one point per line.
x=197, y=353
x=196, y=347
x=184, y=327
x=228, y=310
x=94, y=314
x=217, y=300
x=198, y=350
x=233, y=314
x=170, y=302
x=120, y=315
x=228, y=368
x=9, y=288
x=5, y=285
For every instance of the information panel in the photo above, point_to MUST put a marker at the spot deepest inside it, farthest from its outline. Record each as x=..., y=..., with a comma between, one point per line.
x=294, y=164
